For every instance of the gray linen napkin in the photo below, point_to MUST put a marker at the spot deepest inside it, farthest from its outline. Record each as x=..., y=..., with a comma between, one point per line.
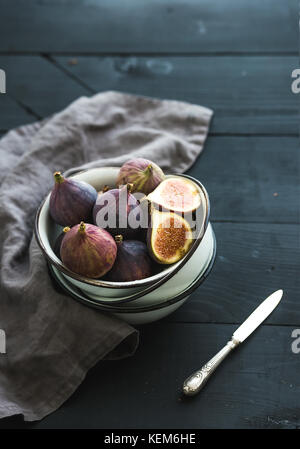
x=51, y=340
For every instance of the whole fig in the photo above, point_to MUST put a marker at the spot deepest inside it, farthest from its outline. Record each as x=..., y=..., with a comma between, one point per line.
x=88, y=250
x=71, y=201
x=145, y=175
x=132, y=262
x=118, y=211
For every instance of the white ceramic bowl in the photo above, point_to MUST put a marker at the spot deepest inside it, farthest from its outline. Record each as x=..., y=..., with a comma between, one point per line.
x=169, y=283
x=131, y=312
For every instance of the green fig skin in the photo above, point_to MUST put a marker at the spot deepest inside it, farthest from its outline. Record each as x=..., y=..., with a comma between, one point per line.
x=145, y=175
x=88, y=250
x=132, y=262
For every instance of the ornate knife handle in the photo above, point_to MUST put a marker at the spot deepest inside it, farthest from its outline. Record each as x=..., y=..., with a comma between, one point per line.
x=193, y=384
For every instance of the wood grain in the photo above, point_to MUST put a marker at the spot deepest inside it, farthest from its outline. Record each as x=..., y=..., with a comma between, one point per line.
x=253, y=260
x=12, y=114
x=257, y=386
x=247, y=94
x=172, y=26
x=38, y=85
x=251, y=179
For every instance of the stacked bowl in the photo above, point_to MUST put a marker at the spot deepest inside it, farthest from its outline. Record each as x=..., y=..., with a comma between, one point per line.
x=140, y=301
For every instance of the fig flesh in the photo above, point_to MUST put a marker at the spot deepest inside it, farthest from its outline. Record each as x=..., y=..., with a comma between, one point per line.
x=88, y=250
x=71, y=201
x=119, y=212
x=145, y=175
x=177, y=195
x=169, y=238
x=132, y=262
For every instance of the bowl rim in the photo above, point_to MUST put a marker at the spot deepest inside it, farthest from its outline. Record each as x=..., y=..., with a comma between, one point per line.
x=133, y=284
x=89, y=302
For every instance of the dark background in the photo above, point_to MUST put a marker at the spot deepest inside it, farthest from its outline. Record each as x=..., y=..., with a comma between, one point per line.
x=236, y=57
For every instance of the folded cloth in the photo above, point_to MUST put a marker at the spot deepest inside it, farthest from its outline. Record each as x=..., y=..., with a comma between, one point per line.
x=51, y=341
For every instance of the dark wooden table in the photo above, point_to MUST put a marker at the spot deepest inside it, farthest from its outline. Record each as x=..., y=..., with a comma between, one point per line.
x=235, y=56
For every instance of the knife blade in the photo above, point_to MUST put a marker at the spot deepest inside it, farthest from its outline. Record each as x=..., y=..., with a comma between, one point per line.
x=258, y=316
x=193, y=384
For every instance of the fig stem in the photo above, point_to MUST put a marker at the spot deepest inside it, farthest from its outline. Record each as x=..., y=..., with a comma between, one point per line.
x=81, y=229
x=66, y=229
x=148, y=169
x=129, y=187
x=58, y=177
x=119, y=239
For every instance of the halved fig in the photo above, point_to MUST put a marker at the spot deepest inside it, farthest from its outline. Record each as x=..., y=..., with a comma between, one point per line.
x=177, y=195
x=169, y=238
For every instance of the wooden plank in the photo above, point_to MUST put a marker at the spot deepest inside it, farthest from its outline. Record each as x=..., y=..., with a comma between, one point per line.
x=12, y=114
x=256, y=387
x=255, y=98
x=156, y=26
x=265, y=165
x=248, y=94
x=253, y=260
x=242, y=175
x=39, y=85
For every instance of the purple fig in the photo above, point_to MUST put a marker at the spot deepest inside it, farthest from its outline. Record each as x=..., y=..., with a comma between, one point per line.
x=88, y=250
x=145, y=175
x=118, y=211
x=132, y=262
x=57, y=243
x=71, y=201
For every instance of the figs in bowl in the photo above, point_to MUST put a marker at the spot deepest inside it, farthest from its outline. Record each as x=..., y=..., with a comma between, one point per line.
x=103, y=291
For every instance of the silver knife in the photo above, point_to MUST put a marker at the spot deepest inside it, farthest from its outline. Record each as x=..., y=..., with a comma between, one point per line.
x=193, y=384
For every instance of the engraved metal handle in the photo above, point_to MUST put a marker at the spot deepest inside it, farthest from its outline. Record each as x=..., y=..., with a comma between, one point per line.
x=193, y=384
